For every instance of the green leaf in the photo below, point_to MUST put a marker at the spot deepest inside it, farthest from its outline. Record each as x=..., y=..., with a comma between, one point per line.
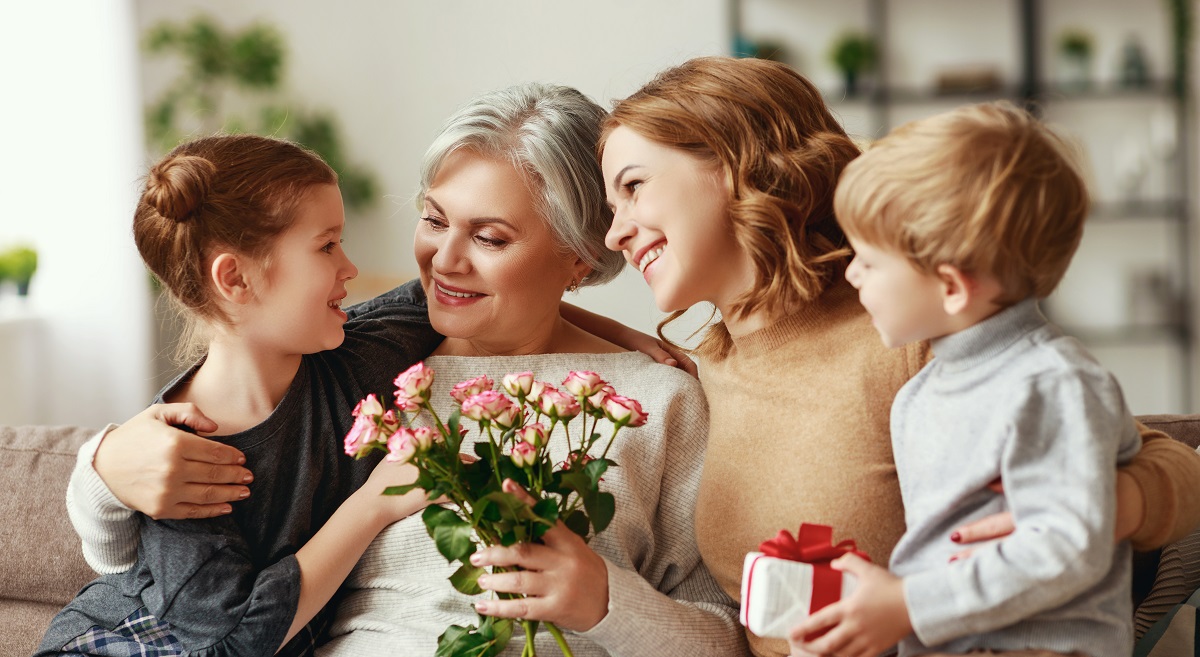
x=601, y=510
x=547, y=511
x=466, y=579
x=458, y=641
x=499, y=630
x=454, y=440
x=400, y=490
x=509, y=506
x=451, y=533
x=595, y=469
x=577, y=521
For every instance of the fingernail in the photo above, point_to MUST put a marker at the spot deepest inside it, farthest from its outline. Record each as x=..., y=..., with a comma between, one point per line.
x=482, y=581
x=226, y=509
x=672, y=362
x=954, y=558
x=476, y=558
x=244, y=494
x=956, y=537
x=481, y=607
x=248, y=477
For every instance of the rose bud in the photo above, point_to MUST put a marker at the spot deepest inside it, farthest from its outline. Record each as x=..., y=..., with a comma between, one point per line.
x=536, y=389
x=369, y=407
x=524, y=454
x=519, y=384
x=401, y=446
x=485, y=405
x=406, y=403
x=534, y=434
x=624, y=412
x=583, y=383
x=414, y=381
x=558, y=405
x=596, y=401
x=509, y=417
x=423, y=438
x=474, y=386
x=363, y=433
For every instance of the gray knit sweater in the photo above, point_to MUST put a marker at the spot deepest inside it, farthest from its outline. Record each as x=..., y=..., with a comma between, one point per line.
x=1012, y=397
x=662, y=600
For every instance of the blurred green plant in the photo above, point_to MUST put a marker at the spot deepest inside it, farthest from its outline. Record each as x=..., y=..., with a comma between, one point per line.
x=18, y=264
x=246, y=67
x=1075, y=43
x=1181, y=42
x=853, y=53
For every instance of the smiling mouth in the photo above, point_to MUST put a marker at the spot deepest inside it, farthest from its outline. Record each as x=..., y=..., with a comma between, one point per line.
x=336, y=304
x=458, y=295
x=650, y=256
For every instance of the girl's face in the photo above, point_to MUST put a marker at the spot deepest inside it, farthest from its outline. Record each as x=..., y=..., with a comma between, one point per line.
x=670, y=219
x=299, y=311
x=491, y=269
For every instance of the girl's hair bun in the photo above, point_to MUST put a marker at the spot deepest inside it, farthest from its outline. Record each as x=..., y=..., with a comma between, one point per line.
x=177, y=186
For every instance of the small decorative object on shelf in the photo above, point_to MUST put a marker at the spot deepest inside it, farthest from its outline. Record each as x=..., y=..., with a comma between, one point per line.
x=1075, y=58
x=853, y=53
x=18, y=265
x=969, y=79
x=1134, y=73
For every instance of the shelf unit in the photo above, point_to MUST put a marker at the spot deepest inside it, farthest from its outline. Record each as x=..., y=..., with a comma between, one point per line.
x=1150, y=219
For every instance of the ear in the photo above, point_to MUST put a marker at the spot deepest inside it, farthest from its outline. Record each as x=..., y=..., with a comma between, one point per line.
x=580, y=270
x=230, y=278
x=958, y=289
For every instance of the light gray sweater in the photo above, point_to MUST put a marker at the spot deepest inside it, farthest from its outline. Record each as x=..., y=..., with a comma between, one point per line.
x=662, y=600
x=1012, y=397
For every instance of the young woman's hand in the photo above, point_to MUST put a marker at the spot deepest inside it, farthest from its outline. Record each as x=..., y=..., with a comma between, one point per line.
x=564, y=581
x=167, y=473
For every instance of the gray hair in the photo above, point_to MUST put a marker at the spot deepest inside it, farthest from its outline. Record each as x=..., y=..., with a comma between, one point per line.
x=548, y=132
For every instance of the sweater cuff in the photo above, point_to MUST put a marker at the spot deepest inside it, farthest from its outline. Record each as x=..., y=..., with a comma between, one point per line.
x=617, y=625
x=92, y=491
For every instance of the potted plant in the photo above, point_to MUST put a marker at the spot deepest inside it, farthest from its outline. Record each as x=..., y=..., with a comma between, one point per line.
x=18, y=265
x=1075, y=51
x=853, y=53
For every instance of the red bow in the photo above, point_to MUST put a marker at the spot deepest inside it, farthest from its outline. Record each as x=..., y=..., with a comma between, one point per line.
x=814, y=545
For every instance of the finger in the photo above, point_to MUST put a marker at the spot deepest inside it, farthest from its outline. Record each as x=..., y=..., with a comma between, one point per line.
x=997, y=525
x=205, y=494
x=187, y=414
x=683, y=361
x=961, y=554
x=529, y=556
x=525, y=582
x=850, y=563
x=816, y=623
x=203, y=450
x=524, y=608
x=202, y=472
x=184, y=511
x=515, y=489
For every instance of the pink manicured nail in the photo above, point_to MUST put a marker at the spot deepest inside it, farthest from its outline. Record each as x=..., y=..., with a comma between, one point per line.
x=482, y=581
x=481, y=607
x=956, y=537
x=476, y=558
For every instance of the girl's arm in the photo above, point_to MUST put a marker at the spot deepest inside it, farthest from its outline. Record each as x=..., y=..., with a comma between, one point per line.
x=623, y=336
x=327, y=558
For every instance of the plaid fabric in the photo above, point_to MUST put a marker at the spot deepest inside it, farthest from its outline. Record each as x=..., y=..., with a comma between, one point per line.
x=139, y=635
x=305, y=643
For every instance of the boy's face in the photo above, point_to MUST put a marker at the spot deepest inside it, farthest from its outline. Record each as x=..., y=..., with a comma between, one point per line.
x=905, y=304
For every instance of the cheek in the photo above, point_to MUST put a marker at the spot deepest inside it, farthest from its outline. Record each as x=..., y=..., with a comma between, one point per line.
x=423, y=250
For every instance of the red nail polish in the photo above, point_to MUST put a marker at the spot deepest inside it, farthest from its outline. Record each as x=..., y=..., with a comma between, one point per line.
x=954, y=558
x=956, y=537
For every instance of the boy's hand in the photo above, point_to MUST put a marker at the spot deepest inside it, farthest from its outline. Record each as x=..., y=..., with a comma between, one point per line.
x=866, y=624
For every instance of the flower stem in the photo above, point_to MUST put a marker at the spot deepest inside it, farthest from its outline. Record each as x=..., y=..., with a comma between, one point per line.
x=530, y=648
x=559, y=639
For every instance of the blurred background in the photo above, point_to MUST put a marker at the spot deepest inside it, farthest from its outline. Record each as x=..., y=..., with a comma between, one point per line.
x=95, y=90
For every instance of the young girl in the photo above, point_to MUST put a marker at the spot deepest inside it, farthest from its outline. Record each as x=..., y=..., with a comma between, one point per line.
x=245, y=233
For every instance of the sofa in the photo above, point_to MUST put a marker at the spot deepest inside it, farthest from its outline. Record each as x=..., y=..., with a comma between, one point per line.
x=41, y=567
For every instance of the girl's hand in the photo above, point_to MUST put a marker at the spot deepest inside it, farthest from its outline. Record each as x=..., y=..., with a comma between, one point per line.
x=165, y=472
x=390, y=508
x=564, y=582
x=873, y=619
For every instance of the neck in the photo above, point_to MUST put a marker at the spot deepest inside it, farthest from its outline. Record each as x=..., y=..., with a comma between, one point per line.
x=240, y=385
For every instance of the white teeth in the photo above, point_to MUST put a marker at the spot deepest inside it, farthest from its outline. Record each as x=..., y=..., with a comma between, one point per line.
x=649, y=257
x=460, y=295
x=336, y=304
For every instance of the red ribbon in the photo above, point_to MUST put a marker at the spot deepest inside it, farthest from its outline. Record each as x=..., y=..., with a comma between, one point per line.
x=814, y=545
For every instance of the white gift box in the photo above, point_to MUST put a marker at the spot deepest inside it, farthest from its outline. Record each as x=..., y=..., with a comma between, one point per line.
x=777, y=593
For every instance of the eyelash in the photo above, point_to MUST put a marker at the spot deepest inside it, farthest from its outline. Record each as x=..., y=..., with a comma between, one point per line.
x=328, y=248
x=631, y=186
x=439, y=225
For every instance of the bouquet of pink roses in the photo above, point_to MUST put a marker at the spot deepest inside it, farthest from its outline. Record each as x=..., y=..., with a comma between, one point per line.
x=517, y=428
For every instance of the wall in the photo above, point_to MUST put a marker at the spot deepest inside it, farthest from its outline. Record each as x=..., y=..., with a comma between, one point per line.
x=72, y=153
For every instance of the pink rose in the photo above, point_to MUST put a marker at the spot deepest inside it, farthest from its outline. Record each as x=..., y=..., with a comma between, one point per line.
x=533, y=434
x=485, y=405
x=596, y=400
x=583, y=383
x=509, y=417
x=519, y=384
x=558, y=405
x=624, y=411
x=389, y=420
x=536, y=389
x=406, y=403
x=423, y=438
x=524, y=454
x=361, y=435
x=401, y=446
x=414, y=382
x=474, y=386
x=369, y=407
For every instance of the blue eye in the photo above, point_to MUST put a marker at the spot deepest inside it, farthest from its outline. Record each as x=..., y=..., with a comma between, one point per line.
x=328, y=248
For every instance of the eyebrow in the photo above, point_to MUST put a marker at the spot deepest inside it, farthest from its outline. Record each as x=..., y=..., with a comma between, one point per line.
x=616, y=181
x=473, y=221
x=328, y=232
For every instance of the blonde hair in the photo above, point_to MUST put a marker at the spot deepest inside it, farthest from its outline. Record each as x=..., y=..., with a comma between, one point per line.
x=986, y=188
x=780, y=150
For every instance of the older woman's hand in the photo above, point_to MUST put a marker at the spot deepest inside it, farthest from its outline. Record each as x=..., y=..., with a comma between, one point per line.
x=564, y=582
x=164, y=472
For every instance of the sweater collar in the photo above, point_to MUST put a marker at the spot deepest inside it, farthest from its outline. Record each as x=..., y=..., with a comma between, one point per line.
x=990, y=337
x=812, y=316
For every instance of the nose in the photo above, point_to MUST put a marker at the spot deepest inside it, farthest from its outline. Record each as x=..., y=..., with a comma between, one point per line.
x=348, y=270
x=621, y=232
x=449, y=256
x=853, y=272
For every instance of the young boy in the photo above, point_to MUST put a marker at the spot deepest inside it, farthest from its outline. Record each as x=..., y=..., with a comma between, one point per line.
x=960, y=223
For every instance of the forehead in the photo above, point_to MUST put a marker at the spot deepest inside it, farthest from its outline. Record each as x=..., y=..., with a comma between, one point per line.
x=473, y=186
x=319, y=208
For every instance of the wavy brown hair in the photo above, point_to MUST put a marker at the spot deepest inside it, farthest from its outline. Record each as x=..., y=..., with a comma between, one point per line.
x=781, y=151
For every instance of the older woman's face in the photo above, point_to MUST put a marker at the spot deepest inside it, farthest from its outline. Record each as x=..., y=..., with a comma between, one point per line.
x=489, y=264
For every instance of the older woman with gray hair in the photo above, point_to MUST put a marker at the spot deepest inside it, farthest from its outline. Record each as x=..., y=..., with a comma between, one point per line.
x=513, y=213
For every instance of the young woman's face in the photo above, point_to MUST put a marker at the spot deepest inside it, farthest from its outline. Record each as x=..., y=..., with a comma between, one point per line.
x=300, y=308
x=670, y=219
x=490, y=266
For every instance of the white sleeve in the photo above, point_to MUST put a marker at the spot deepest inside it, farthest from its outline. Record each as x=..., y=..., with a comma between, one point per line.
x=109, y=530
